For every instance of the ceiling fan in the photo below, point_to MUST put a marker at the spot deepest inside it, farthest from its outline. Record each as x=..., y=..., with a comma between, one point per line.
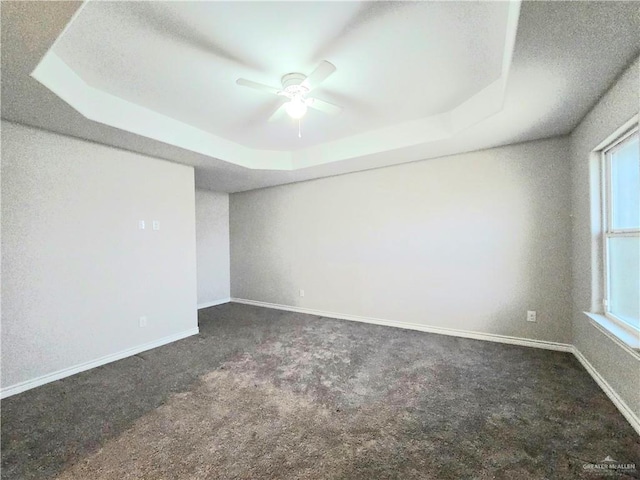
x=296, y=87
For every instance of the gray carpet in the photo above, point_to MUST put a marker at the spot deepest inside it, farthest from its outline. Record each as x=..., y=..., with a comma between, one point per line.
x=268, y=394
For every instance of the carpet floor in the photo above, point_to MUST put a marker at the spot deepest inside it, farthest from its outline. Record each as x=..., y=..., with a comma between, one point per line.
x=266, y=394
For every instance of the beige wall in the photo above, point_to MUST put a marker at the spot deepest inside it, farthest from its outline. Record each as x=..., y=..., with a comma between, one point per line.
x=77, y=271
x=618, y=367
x=469, y=242
x=212, y=246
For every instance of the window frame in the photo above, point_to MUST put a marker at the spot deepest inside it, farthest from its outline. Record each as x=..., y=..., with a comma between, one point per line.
x=607, y=230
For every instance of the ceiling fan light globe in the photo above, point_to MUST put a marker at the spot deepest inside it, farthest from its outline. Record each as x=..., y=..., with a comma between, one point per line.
x=296, y=109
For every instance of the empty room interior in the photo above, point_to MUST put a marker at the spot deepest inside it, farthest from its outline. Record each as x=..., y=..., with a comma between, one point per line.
x=320, y=240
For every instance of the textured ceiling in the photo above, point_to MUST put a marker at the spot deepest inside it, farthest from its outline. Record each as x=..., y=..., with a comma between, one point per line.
x=395, y=61
x=167, y=57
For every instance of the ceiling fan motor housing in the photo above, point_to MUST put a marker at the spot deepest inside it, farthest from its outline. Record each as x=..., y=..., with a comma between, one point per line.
x=291, y=84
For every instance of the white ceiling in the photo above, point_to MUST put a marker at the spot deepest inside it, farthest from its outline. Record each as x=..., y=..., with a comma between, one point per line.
x=404, y=72
x=395, y=61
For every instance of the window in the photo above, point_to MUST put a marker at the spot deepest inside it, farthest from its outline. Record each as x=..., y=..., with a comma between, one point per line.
x=621, y=221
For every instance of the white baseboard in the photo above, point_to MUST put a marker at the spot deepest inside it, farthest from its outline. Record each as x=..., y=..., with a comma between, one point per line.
x=631, y=417
x=624, y=409
x=66, y=372
x=491, y=337
x=214, y=303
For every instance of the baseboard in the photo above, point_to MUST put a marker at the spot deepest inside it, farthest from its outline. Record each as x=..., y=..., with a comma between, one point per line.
x=214, y=303
x=491, y=337
x=620, y=404
x=66, y=372
x=624, y=409
x=631, y=417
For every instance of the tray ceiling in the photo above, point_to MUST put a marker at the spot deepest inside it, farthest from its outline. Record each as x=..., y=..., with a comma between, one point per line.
x=417, y=80
x=407, y=73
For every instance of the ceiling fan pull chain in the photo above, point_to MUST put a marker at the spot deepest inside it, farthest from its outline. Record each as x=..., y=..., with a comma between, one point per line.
x=299, y=133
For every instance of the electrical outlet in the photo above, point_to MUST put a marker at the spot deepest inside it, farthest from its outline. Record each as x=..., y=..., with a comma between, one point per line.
x=141, y=224
x=156, y=225
x=143, y=322
x=302, y=293
x=531, y=316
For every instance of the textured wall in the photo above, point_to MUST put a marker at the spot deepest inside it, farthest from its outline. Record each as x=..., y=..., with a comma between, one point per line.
x=77, y=271
x=212, y=246
x=468, y=242
x=620, y=368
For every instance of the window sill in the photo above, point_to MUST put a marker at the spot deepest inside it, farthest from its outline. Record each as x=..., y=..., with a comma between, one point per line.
x=624, y=338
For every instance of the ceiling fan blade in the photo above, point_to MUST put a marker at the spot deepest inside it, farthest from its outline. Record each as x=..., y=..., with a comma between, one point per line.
x=257, y=86
x=278, y=114
x=323, y=106
x=319, y=75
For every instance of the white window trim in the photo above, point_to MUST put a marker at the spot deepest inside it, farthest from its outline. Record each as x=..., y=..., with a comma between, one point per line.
x=617, y=329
